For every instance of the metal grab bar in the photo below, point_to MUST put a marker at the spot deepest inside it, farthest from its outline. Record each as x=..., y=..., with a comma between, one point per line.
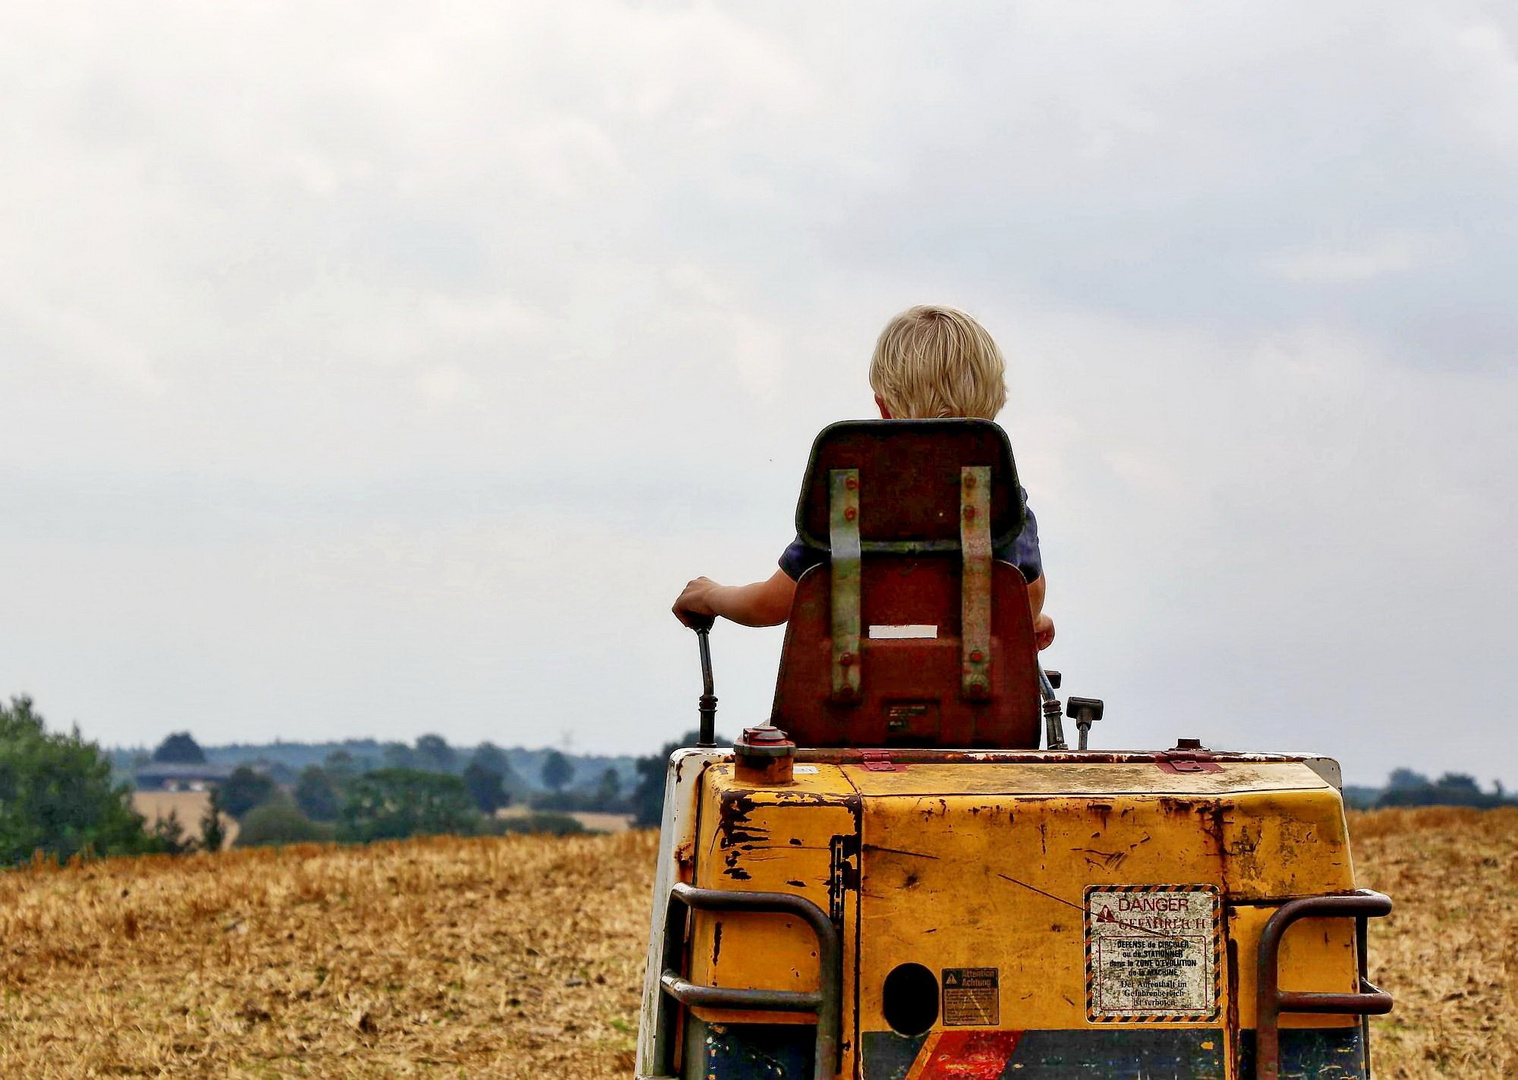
x=1360, y=905
x=826, y=1001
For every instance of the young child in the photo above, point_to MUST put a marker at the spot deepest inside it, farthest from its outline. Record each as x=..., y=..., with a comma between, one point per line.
x=929, y=362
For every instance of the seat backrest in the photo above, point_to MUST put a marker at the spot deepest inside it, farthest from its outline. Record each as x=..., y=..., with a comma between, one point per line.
x=910, y=633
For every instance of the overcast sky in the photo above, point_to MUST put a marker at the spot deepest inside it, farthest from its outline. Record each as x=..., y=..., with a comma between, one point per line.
x=378, y=369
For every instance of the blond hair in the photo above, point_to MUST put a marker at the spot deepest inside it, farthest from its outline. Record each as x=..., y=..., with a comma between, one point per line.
x=933, y=361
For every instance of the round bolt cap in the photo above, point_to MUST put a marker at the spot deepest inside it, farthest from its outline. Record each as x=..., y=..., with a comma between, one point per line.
x=765, y=741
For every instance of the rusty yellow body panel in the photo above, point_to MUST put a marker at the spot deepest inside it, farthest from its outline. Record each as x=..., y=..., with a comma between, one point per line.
x=986, y=866
x=801, y=839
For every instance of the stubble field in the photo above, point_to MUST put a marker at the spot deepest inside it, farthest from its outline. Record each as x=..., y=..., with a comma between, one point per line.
x=522, y=957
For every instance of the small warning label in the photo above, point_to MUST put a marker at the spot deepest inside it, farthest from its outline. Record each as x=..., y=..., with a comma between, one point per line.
x=971, y=997
x=1153, y=952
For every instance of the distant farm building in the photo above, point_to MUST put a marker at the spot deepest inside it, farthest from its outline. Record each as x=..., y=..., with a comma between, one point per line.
x=164, y=776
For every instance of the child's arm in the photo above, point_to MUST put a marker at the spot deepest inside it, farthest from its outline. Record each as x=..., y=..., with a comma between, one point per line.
x=764, y=603
x=1043, y=626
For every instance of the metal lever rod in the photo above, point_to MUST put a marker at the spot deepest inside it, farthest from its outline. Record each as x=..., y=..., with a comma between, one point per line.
x=702, y=625
x=1054, y=727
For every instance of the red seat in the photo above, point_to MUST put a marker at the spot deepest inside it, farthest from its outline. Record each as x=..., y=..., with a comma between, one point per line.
x=911, y=634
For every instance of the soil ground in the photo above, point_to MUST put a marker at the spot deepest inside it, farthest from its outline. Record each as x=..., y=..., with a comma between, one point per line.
x=522, y=957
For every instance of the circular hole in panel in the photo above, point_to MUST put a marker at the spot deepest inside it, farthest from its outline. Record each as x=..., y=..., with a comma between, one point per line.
x=909, y=999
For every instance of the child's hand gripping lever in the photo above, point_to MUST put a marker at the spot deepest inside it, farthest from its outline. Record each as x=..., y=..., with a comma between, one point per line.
x=702, y=625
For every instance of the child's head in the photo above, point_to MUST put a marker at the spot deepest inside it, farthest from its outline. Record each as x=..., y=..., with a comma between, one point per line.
x=936, y=361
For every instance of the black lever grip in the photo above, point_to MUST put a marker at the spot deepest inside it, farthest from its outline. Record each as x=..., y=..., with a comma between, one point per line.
x=699, y=622
x=1084, y=710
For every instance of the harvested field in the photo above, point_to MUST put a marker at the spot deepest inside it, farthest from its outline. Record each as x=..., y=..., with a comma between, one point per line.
x=522, y=957
x=1449, y=951
x=490, y=957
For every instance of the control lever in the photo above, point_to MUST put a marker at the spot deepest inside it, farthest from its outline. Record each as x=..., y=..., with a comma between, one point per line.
x=1054, y=728
x=702, y=625
x=1085, y=711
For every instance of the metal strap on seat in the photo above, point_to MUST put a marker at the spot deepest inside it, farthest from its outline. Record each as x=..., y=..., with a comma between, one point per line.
x=844, y=555
x=826, y=1001
x=1271, y=1000
x=975, y=581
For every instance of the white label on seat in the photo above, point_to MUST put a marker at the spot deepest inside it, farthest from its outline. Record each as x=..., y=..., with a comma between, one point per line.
x=914, y=630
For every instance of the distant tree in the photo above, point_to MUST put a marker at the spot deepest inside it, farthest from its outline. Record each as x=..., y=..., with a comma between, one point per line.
x=213, y=833
x=648, y=797
x=490, y=756
x=316, y=794
x=557, y=771
x=179, y=748
x=280, y=822
x=485, y=788
x=391, y=804
x=340, y=766
x=56, y=794
x=1458, y=782
x=244, y=790
x=397, y=755
x=433, y=754
x=1406, y=778
x=608, y=789
x=1451, y=789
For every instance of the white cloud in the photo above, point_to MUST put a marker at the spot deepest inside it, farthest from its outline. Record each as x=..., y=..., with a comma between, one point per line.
x=370, y=357
x=1344, y=266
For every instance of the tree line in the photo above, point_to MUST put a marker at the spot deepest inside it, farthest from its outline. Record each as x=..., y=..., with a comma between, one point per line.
x=60, y=799
x=1405, y=787
x=432, y=790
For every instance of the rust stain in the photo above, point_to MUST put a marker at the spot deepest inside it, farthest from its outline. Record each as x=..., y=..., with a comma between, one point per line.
x=1101, y=810
x=899, y=851
x=1111, y=860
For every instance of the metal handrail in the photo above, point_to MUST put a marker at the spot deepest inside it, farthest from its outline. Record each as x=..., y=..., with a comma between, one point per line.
x=1360, y=905
x=826, y=1001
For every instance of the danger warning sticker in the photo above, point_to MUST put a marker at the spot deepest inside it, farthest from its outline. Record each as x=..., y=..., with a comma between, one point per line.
x=971, y=997
x=1153, y=953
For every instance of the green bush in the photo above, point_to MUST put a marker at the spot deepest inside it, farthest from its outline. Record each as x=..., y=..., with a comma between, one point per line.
x=392, y=804
x=280, y=822
x=316, y=794
x=245, y=789
x=56, y=795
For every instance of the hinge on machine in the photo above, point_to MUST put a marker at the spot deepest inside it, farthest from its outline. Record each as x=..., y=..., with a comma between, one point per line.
x=844, y=555
x=880, y=761
x=975, y=581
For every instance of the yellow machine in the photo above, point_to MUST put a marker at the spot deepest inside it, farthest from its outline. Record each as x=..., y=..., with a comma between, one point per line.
x=913, y=910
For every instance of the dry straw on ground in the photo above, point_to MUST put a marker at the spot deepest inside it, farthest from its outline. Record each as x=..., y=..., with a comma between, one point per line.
x=510, y=957
x=1449, y=951
x=522, y=957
